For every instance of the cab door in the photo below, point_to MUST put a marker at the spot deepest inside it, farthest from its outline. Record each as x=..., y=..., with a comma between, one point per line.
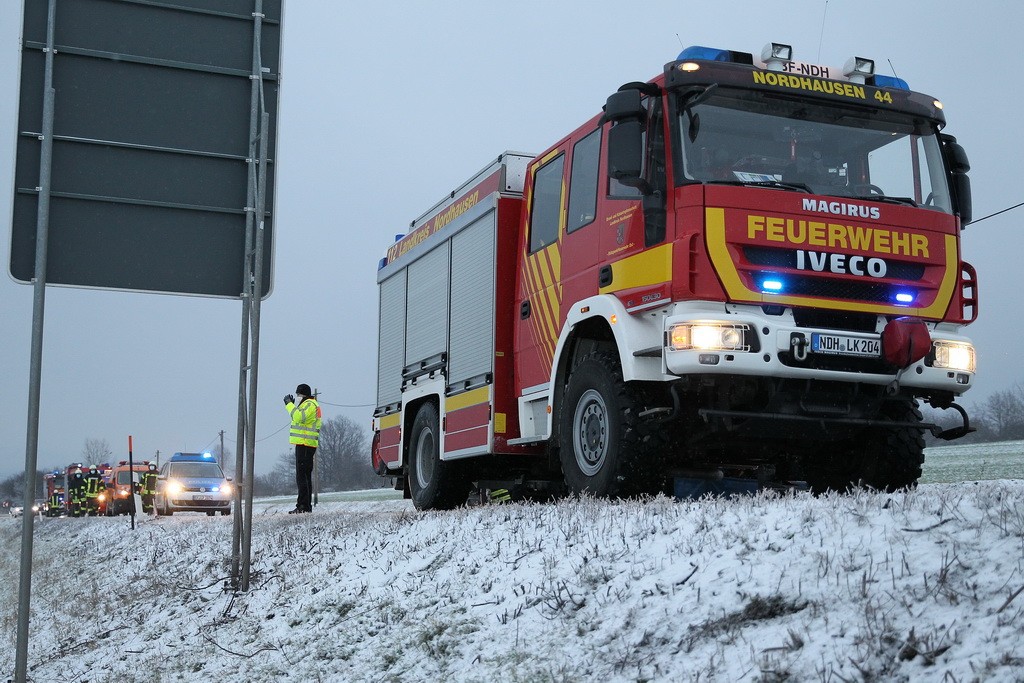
x=559, y=251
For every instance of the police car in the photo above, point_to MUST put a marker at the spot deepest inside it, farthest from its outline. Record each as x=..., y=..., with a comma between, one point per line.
x=193, y=482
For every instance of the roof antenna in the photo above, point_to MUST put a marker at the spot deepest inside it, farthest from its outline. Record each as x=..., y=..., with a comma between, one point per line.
x=822, y=36
x=680, y=42
x=891, y=67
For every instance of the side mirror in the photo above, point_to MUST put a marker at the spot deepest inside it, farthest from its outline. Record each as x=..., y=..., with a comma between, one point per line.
x=626, y=111
x=227, y=479
x=624, y=104
x=626, y=152
x=956, y=161
x=962, y=188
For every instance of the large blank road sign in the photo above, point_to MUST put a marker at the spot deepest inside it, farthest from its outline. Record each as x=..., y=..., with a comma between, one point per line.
x=151, y=143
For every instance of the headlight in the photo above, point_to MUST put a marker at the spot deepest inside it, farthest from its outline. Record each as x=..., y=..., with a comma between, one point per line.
x=225, y=488
x=709, y=336
x=954, y=356
x=174, y=488
x=102, y=497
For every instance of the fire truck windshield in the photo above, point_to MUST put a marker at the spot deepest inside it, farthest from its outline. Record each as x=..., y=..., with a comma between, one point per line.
x=749, y=138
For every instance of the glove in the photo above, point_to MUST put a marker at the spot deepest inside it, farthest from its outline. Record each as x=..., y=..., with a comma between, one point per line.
x=289, y=399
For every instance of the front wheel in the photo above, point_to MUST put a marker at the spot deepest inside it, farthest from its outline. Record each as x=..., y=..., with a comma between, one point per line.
x=883, y=458
x=605, y=449
x=433, y=483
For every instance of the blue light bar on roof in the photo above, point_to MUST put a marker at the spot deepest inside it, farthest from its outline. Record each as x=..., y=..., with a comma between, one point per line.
x=710, y=54
x=891, y=82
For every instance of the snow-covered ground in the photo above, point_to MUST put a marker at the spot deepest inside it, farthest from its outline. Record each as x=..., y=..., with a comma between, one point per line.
x=917, y=586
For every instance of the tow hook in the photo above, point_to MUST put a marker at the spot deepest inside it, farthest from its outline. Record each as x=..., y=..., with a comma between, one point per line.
x=798, y=343
x=956, y=432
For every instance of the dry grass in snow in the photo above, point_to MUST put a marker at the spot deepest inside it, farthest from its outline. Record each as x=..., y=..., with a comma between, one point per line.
x=922, y=585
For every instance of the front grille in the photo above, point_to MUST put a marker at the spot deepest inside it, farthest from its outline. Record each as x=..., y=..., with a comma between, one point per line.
x=786, y=258
x=806, y=283
x=188, y=503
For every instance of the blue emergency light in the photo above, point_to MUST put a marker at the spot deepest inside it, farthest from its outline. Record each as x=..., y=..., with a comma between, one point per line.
x=772, y=286
x=710, y=54
x=890, y=82
x=904, y=298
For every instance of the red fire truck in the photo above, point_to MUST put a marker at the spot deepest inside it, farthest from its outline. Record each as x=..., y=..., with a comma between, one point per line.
x=748, y=264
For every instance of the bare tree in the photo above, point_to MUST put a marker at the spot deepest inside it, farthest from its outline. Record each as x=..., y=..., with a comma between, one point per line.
x=96, y=451
x=343, y=457
x=225, y=458
x=1003, y=411
x=280, y=480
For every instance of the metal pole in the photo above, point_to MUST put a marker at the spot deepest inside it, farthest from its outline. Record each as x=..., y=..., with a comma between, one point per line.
x=243, y=485
x=316, y=466
x=255, y=291
x=250, y=463
x=131, y=481
x=36, y=365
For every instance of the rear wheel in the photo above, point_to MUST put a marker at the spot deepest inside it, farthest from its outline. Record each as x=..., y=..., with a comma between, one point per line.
x=433, y=483
x=605, y=449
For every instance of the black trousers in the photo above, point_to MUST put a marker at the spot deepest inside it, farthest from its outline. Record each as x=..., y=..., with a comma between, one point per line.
x=304, y=476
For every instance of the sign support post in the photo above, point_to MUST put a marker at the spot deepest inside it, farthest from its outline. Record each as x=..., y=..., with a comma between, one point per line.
x=36, y=365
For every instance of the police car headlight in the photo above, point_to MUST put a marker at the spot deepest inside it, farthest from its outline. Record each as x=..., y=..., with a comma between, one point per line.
x=954, y=356
x=225, y=488
x=174, y=488
x=709, y=336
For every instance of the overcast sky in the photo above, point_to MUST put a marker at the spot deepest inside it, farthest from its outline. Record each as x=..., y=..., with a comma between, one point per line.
x=385, y=108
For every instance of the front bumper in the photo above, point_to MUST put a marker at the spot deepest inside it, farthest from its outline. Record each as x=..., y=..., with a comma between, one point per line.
x=778, y=347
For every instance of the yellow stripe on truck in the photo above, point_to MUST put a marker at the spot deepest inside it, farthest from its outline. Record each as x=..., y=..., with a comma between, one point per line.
x=650, y=267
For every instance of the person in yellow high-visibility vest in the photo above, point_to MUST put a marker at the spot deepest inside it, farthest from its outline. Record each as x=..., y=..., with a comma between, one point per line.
x=305, y=434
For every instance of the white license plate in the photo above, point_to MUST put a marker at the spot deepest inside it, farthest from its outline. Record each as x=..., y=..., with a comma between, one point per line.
x=202, y=497
x=841, y=345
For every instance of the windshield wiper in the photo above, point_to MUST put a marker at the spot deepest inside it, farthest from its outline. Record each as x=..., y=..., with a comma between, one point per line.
x=797, y=187
x=884, y=198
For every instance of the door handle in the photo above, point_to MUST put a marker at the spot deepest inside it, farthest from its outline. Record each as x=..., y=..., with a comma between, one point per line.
x=524, y=309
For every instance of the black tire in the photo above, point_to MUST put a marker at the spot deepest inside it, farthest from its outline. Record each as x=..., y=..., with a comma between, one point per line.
x=604, y=448
x=433, y=483
x=900, y=451
x=211, y=513
x=225, y=513
x=887, y=459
